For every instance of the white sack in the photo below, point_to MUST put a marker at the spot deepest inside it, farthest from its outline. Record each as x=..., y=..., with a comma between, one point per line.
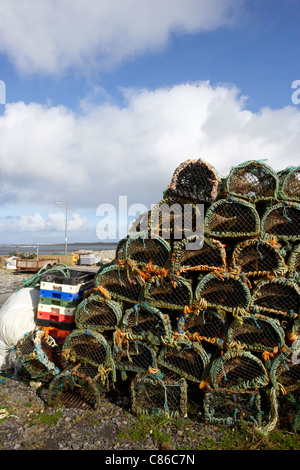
x=17, y=317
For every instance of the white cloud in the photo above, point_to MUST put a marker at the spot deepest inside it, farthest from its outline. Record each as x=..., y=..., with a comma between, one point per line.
x=50, y=36
x=51, y=153
x=37, y=223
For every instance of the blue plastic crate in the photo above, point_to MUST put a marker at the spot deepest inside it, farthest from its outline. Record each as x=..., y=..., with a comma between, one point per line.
x=53, y=294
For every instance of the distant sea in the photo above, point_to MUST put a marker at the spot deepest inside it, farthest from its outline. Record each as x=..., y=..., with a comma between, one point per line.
x=50, y=249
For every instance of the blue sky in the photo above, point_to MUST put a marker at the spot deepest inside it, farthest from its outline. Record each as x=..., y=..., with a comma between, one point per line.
x=105, y=99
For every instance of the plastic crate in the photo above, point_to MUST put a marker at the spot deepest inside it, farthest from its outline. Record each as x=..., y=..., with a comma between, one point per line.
x=56, y=310
x=60, y=302
x=58, y=295
x=55, y=317
x=55, y=324
x=76, y=282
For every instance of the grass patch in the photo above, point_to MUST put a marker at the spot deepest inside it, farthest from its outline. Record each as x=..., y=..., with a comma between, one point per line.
x=144, y=427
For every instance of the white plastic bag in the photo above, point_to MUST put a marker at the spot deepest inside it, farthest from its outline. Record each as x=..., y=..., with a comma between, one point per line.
x=17, y=317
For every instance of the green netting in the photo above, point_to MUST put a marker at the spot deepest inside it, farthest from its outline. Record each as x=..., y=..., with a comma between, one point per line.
x=289, y=184
x=173, y=292
x=258, y=258
x=278, y=296
x=141, y=250
x=227, y=292
x=210, y=256
x=282, y=222
x=78, y=386
x=208, y=325
x=147, y=324
x=173, y=219
x=238, y=370
x=256, y=333
x=186, y=358
x=232, y=218
x=285, y=370
x=230, y=407
x=132, y=355
x=39, y=355
x=119, y=283
x=195, y=180
x=98, y=313
x=252, y=180
x=294, y=262
x=155, y=394
x=89, y=347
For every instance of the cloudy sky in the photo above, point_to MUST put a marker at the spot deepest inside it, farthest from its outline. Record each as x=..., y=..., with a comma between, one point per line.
x=100, y=100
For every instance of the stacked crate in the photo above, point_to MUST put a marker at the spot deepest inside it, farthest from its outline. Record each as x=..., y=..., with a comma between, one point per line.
x=59, y=298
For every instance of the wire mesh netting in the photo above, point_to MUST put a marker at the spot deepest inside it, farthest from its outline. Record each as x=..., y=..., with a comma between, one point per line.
x=209, y=256
x=223, y=406
x=289, y=183
x=170, y=292
x=256, y=333
x=294, y=262
x=78, y=386
x=186, y=358
x=228, y=292
x=232, y=218
x=142, y=250
x=173, y=219
x=147, y=324
x=282, y=221
x=89, y=347
x=253, y=181
x=195, y=180
x=278, y=296
x=132, y=355
x=39, y=355
x=238, y=370
x=285, y=370
x=258, y=258
x=119, y=283
x=154, y=393
x=208, y=325
x=98, y=313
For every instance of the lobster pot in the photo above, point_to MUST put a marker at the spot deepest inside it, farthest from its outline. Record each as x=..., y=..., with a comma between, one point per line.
x=252, y=180
x=278, y=296
x=78, y=386
x=258, y=258
x=186, y=358
x=155, y=394
x=172, y=292
x=293, y=331
x=195, y=254
x=174, y=220
x=209, y=326
x=229, y=407
x=134, y=356
x=120, y=250
x=119, y=284
x=294, y=262
x=88, y=347
x=232, y=218
x=39, y=355
x=147, y=324
x=285, y=371
x=289, y=410
x=289, y=184
x=256, y=333
x=228, y=292
x=194, y=180
x=282, y=221
x=141, y=250
x=238, y=370
x=98, y=313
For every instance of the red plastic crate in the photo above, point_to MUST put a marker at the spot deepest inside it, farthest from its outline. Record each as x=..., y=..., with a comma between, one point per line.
x=57, y=317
